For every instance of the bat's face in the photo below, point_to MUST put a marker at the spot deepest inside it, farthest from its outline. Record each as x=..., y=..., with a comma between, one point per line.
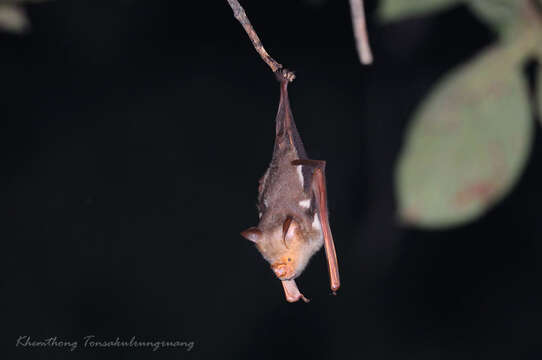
x=285, y=247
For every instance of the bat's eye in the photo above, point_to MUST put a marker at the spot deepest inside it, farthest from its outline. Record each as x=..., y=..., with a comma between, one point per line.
x=289, y=259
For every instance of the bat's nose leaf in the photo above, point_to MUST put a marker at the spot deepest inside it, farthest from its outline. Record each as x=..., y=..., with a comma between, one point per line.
x=281, y=270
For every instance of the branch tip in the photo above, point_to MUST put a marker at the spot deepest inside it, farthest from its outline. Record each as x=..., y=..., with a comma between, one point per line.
x=241, y=16
x=360, y=32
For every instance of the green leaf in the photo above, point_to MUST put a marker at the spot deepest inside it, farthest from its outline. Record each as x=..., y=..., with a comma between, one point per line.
x=393, y=10
x=539, y=90
x=13, y=16
x=500, y=15
x=12, y=2
x=468, y=142
x=13, y=19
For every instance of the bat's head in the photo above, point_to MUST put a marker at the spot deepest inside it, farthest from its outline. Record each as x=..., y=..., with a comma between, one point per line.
x=286, y=247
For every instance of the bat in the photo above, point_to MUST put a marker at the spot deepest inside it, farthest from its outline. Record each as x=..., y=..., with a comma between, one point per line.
x=292, y=205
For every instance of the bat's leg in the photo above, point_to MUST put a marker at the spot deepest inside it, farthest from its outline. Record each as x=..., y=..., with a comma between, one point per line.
x=319, y=189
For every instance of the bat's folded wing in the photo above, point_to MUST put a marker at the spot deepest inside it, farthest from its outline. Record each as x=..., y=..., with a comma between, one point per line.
x=291, y=291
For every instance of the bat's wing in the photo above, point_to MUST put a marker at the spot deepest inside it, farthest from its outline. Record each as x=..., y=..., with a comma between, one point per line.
x=286, y=130
x=320, y=192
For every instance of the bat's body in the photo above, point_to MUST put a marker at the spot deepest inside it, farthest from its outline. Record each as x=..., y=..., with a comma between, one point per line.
x=292, y=207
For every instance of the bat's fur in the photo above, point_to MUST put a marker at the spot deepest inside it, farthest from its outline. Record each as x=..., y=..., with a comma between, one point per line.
x=283, y=193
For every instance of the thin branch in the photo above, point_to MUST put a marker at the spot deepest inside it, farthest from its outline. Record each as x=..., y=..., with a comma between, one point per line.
x=241, y=16
x=360, y=32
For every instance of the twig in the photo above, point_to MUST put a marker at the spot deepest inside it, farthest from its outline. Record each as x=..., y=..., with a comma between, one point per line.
x=360, y=32
x=241, y=16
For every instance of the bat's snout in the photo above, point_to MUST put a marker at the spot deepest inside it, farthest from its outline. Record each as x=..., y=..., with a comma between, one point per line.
x=283, y=271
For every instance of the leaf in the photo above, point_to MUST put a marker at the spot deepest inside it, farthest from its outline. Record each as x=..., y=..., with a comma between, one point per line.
x=500, y=15
x=537, y=54
x=13, y=19
x=539, y=90
x=13, y=2
x=394, y=10
x=468, y=141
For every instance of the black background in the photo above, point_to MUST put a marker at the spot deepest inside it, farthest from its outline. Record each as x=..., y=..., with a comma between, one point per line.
x=134, y=134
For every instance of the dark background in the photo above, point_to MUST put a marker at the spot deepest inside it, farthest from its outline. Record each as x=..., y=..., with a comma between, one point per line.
x=134, y=134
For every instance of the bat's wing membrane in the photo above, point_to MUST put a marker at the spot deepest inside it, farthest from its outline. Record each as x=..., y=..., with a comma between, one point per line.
x=320, y=192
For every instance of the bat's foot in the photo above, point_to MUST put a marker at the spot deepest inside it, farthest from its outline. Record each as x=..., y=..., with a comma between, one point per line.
x=291, y=291
x=296, y=299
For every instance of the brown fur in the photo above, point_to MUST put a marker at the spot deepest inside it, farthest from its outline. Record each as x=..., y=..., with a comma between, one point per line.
x=280, y=192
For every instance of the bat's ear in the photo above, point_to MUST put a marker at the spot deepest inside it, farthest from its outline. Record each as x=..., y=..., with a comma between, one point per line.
x=253, y=234
x=290, y=229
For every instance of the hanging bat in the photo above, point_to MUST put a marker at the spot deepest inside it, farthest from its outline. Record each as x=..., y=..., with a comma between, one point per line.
x=292, y=204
